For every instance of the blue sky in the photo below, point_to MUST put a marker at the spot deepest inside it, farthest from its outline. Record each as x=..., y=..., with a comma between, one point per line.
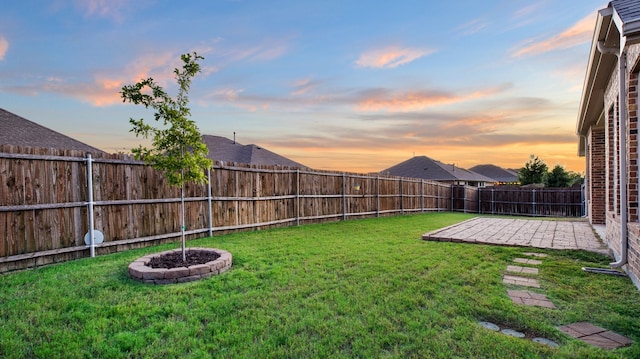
x=343, y=85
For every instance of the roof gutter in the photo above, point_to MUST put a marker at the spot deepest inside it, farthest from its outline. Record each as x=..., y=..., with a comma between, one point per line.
x=622, y=135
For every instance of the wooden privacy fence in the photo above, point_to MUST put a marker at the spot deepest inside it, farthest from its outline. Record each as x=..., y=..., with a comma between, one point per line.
x=536, y=202
x=49, y=198
x=47, y=204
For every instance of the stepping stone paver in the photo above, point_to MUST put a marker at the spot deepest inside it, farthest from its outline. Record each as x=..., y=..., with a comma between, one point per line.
x=547, y=342
x=515, y=280
x=513, y=333
x=533, y=262
x=595, y=335
x=532, y=254
x=529, y=298
x=490, y=326
x=523, y=270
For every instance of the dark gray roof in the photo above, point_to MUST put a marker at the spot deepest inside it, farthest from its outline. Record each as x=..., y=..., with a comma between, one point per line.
x=430, y=169
x=224, y=149
x=629, y=12
x=499, y=174
x=18, y=131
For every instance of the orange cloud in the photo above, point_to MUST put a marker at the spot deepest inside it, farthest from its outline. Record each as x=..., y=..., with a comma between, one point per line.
x=577, y=34
x=4, y=46
x=390, y=57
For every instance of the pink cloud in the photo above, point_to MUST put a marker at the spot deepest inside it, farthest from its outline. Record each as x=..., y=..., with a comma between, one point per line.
x=415, y=101
x=102, y=8
x=303, y=86
x=577, y=34
x=103, y=89
x=4, y=47
x=390, y=57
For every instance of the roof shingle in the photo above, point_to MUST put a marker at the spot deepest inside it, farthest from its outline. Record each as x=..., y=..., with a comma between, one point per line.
x=224, y=149
x=18, y=131
x=430, y=169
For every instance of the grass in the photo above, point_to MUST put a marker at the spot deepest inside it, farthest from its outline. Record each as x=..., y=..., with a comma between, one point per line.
x=356, y=289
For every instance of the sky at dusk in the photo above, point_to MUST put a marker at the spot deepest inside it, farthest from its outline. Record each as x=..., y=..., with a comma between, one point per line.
x=343, y=85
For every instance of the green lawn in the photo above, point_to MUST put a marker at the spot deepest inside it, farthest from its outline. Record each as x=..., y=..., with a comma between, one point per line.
x=362, y=288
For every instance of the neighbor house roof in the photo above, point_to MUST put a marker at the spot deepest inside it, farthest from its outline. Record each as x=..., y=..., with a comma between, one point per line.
x=619, y=18
x=224, y=149
x=18, y=131
x=430, y=169
x=499, y=174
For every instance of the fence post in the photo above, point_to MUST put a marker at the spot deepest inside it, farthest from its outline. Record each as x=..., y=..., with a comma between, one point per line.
x=493, y=204
x=479, y=200
x=533, y=193
x=401, y=198
x=464, y=199
x=209, y=202
x=583, y=201
x=452, y=190
x=377, y=196
x=344, y=196
x=92, y=244
x=297, y=197
x=422, y=195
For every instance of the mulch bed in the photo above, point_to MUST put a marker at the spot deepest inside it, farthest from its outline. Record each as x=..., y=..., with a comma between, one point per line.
x=174, y=259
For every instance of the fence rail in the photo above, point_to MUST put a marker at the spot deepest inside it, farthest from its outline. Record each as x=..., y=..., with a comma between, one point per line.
x=49, y=198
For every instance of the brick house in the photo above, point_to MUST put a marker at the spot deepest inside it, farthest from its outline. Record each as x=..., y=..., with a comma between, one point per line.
x=608, y=130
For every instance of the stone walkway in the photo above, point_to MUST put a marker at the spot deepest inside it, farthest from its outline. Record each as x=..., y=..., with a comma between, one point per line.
x=547, y=234
x=539, y=234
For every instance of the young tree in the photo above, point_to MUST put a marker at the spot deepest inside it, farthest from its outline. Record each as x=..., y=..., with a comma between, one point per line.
x=533, y=171
x=558, y=177
x=177, y=147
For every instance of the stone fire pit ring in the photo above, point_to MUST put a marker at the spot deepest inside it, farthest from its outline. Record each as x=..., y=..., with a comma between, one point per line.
x=139, y=270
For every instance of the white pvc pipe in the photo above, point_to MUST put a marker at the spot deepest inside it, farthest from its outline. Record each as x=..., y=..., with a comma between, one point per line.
x=209, y=202
x=622, y=60
x=622, y=134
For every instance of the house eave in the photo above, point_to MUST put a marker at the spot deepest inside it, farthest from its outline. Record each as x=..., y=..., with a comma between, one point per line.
x=599, y=68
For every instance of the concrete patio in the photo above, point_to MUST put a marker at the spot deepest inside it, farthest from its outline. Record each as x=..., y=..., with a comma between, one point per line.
x=548, y=234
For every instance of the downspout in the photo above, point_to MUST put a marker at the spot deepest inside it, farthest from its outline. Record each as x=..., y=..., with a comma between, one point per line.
x=622, y=134
x=586, y=185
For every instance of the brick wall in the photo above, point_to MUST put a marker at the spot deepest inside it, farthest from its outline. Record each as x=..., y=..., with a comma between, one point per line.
x=633, y=255
x=597, y=176
x=611, y=150
x=632, y=147
x=610, y=166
